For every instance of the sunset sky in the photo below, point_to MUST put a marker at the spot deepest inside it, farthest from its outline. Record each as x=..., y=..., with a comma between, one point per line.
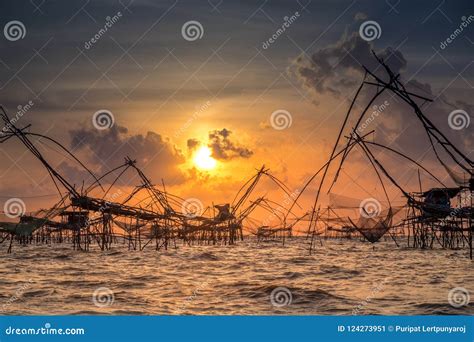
x=172, y=97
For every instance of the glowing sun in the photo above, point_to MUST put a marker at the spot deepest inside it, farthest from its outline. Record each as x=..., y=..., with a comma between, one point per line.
x=203, y=160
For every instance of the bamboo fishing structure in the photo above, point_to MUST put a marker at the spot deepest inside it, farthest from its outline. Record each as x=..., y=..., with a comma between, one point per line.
x=430, y=215
x=151, y=217
x=156, y=217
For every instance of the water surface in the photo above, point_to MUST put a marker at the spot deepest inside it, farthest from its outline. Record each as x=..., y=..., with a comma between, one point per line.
x=342, y=277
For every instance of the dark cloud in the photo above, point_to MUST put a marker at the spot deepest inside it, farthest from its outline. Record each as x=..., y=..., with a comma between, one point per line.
x=76, y=175
x=397, y=126
x=157, y=156
x=193, y=144
x=223, y=147
x=336, y=68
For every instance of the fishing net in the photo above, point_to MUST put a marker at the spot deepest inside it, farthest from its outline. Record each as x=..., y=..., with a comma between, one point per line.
x=460, y=178
x=373, y=228
x=343, y=202
x=373, y=222
x=21, y=228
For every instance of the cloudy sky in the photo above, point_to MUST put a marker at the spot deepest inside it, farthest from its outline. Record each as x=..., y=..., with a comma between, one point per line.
x=177, y=76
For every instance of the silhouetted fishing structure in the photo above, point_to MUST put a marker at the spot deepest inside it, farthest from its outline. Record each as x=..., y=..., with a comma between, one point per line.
x=156, y=216
x=430, y=214
x=150, y=216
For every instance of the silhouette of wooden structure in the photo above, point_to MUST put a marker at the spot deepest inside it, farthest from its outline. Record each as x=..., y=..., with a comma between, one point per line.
x=151, y=216
x=156, y=216
x=427, y=221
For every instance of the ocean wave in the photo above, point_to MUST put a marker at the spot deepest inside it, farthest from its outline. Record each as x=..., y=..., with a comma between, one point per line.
x=206, y=256
x=237, y=279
